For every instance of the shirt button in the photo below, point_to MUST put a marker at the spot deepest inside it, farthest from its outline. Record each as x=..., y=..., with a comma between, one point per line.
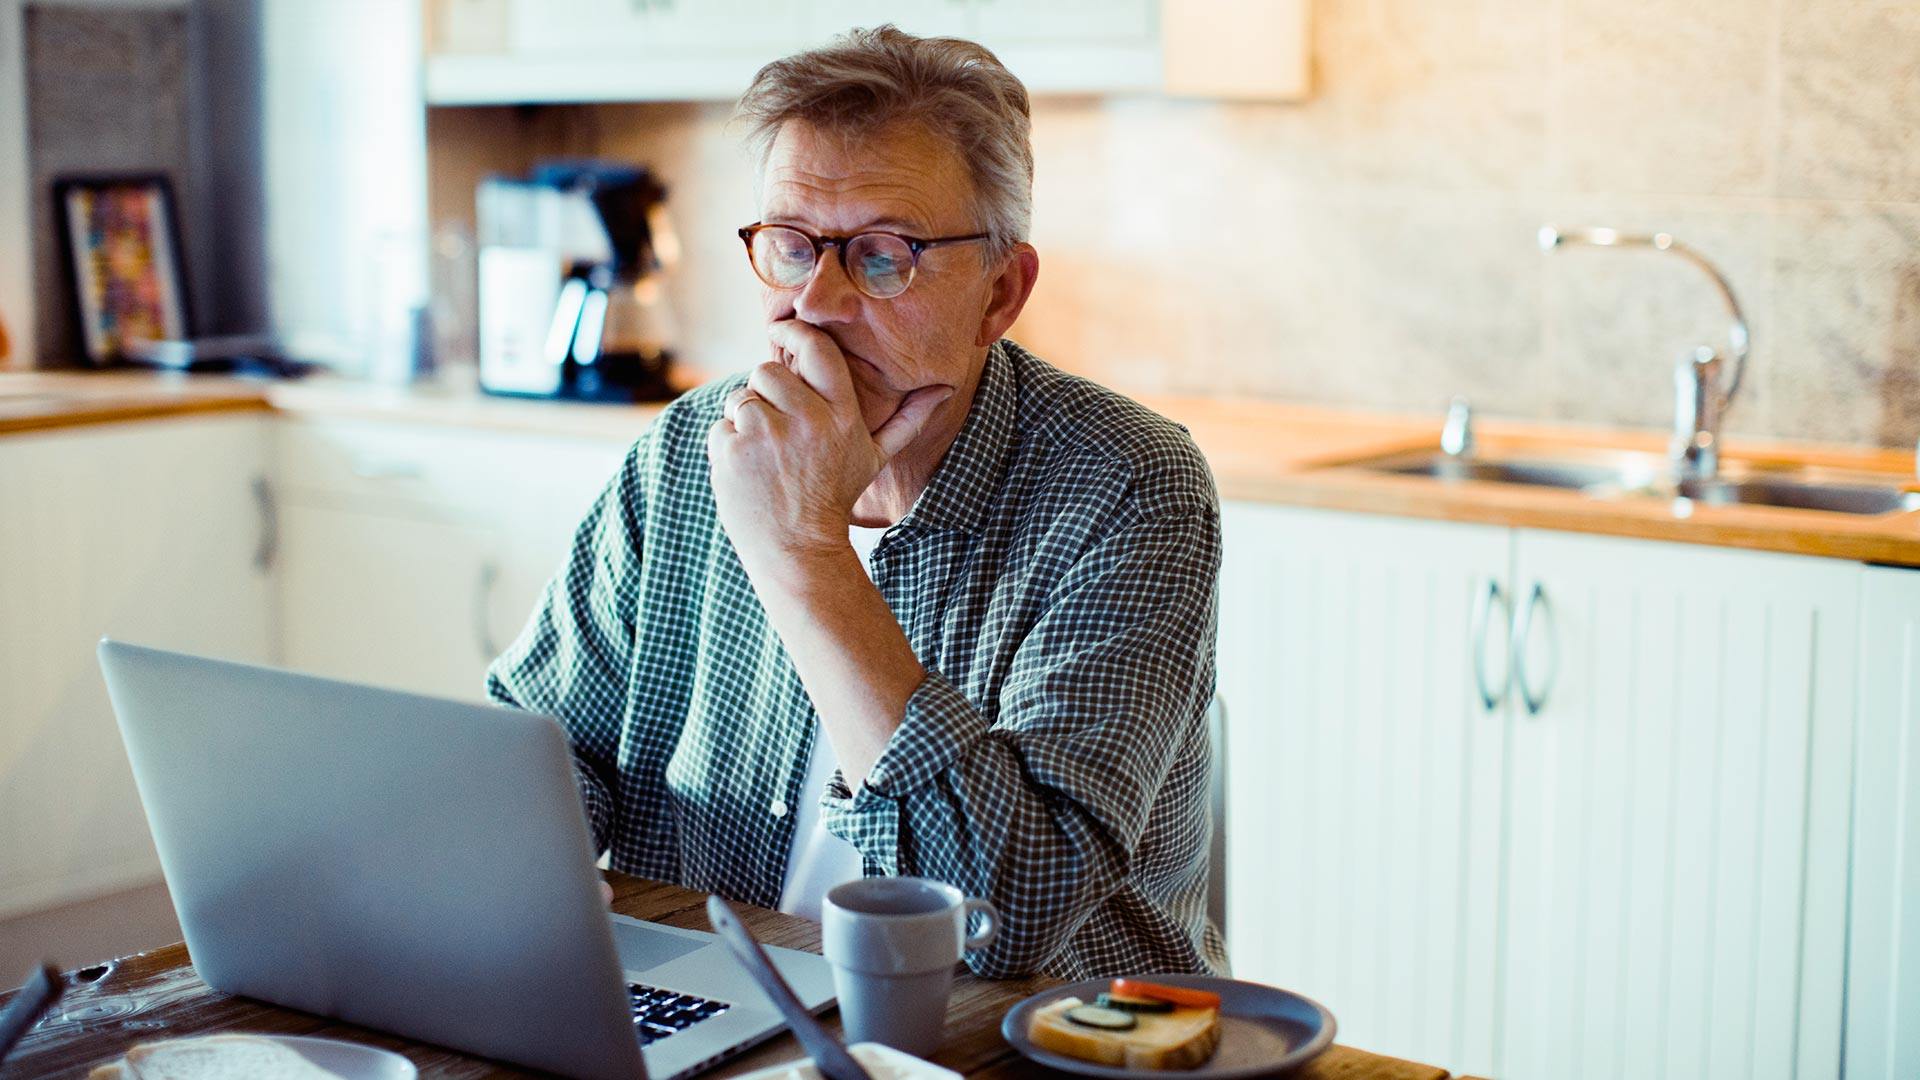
x=778, y=808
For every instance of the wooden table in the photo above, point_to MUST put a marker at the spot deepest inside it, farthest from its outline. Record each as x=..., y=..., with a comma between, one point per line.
x=157, y=994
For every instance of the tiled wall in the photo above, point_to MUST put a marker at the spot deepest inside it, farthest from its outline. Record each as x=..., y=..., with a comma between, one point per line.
x=107, y=90
x=1376, y=246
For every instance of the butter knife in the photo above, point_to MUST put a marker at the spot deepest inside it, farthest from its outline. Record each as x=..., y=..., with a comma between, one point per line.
x=42, y=989
x=833, y=1060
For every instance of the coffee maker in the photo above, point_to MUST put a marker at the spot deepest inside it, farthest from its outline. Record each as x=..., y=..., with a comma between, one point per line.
x=572, y=295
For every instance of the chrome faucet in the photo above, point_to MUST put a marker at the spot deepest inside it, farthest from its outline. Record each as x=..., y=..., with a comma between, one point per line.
x=1703, y=390
x=1456, y=438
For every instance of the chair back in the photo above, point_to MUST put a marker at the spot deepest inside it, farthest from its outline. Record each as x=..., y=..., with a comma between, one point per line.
x=1217, y=804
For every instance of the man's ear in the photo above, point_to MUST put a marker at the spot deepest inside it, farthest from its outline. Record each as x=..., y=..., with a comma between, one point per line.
x=1011, y=287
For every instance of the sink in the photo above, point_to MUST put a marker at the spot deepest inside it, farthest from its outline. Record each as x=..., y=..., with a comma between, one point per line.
x=1803, y=495
x=1617, y=472
x=1621, y=474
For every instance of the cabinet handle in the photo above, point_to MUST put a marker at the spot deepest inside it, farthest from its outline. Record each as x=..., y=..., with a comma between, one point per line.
x=1490, y=698
x=1522, y=632
x=268, y=548
x=482, y=605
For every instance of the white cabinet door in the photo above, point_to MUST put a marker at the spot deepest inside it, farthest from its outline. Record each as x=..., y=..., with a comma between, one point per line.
x=640, y=30
x=1002, y=23
x=414, y=554
x=663, y=50
x=927, y=18
x=997, y=24
x=1883, y=969
x=619, y=50
x=147, y=532
x=1074, y=46
x=1677, y=820
x=407, y=602
x=1364, y=771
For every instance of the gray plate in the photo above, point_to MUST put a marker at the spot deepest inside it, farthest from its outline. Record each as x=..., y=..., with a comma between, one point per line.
x=1263, y=1030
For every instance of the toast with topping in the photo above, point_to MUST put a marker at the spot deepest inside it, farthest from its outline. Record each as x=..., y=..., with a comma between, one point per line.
x=1132, y=1027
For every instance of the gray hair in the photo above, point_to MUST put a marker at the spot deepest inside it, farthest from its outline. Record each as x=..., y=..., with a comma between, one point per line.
x=865, y=80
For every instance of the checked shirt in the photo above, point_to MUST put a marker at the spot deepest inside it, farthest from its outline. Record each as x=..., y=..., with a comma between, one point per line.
x=1056, y=580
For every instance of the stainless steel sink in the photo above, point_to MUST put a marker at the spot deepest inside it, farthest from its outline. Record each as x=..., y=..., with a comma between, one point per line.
x=1621, y=474
x=1803, y=495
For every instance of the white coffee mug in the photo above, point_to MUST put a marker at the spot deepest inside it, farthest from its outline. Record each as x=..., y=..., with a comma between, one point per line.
x=893, y=943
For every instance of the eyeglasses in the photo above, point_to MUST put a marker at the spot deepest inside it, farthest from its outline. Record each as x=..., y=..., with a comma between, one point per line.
x=880, y=264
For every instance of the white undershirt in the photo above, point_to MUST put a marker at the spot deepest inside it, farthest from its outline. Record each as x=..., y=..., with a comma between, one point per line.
x=818, y=859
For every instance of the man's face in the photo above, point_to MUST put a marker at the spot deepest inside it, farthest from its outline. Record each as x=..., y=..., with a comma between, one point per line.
x=903, y=180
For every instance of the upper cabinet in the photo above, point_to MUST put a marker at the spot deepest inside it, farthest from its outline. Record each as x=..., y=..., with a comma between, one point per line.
x=496, y=52
x=530, y=51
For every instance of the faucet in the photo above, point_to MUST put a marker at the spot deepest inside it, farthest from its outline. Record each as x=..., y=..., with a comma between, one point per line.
x=1700, y=398
x=1456, y=438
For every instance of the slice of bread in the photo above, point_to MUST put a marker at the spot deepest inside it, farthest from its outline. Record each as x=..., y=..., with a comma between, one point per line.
x=212, y=1057
x=1181, y=1039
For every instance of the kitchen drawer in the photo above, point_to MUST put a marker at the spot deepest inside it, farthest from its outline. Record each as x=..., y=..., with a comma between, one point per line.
x=473, y=473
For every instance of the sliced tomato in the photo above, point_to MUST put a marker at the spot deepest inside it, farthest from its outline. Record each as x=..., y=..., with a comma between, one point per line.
x=1179, y=995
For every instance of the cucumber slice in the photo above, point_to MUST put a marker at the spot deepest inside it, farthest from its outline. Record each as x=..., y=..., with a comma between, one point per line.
x=1099, y=1016
x=1133, y=1004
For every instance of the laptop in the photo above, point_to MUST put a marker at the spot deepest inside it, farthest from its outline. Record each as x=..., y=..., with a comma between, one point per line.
x=419, y=866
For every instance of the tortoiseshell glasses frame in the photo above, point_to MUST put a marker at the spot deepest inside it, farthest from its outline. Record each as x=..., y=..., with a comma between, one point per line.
x=875, y=273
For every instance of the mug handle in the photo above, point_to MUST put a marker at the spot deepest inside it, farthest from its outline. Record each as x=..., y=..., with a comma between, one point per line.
x=989, y=919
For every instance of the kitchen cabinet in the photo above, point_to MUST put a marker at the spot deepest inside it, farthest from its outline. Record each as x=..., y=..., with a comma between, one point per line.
x=1365, y=768
x=642, y=30
x=663, y=50
x=1677, y=826
x=1598, y=787
x=951, y=18
x=1064, y=47
x=395, y=600
x=1883, y=966
x=414, y=555
x=152, y=533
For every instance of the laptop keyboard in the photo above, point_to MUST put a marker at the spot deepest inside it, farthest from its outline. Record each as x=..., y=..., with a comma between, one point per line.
x=659, y=1013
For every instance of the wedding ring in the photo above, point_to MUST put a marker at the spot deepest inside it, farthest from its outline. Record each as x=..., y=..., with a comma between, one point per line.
x=745, y=399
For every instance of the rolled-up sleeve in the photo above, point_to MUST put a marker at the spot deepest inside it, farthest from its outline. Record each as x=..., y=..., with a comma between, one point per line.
x=573, y=659
x=1042, y=808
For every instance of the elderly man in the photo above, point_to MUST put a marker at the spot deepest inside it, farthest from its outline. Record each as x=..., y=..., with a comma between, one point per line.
x=903, y=599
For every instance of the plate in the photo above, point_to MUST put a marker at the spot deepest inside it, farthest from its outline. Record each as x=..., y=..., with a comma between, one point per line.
x=878, y=1059
x=353, y=1061
x=1263, y=1029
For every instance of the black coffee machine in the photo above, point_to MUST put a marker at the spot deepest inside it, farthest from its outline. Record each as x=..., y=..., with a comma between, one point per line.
x=610, y=333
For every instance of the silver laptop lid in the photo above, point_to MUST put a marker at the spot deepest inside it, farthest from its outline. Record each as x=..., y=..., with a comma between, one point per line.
x=407, y=863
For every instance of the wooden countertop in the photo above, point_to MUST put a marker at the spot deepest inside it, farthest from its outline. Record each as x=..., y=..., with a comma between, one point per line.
x=37, y=401
x=1262, y=451
x=1298, y=456
x=157, y=995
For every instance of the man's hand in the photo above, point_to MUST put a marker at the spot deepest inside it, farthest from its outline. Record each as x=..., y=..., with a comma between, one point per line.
x=792, y=453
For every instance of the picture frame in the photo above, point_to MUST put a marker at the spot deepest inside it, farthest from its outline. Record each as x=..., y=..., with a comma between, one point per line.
x=121, y=243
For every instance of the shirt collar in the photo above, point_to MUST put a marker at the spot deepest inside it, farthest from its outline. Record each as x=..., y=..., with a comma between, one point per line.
x=960, y=495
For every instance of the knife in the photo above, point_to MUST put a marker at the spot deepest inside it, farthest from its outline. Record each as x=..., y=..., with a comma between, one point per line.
x=833, y=1060
x=42, y=989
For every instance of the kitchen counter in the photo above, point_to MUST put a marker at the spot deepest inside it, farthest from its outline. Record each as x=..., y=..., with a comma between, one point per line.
x=1297, y=455
x=33, y=401
x=1260, y=451
x=37, y=401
